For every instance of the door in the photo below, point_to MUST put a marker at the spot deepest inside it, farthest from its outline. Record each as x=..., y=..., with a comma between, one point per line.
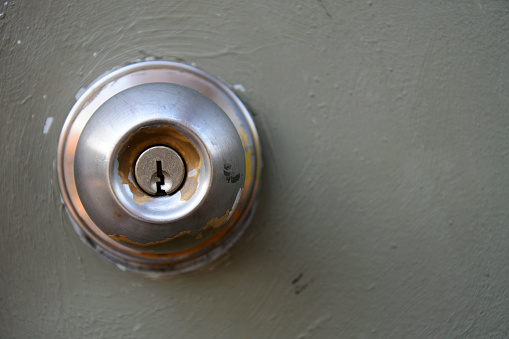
x=385, y=189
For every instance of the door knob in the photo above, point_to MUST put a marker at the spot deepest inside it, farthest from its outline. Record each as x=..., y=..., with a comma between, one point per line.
x=159, y=167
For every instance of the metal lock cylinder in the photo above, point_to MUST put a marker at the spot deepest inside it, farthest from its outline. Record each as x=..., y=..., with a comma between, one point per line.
x=159, y=170
x=159, y=167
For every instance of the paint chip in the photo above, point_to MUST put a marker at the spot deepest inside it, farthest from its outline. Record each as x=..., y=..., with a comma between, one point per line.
x=121, y=267
x=239, y=87
x=47, y=125
x=24, y=101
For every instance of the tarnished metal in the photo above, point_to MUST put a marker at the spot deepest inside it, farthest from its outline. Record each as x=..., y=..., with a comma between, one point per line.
x=159, y=171
x=199, y=134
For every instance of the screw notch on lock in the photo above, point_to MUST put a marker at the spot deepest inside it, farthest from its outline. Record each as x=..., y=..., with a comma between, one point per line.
x=159, y=171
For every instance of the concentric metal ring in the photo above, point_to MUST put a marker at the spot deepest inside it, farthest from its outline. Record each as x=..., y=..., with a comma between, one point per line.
x=188, y=254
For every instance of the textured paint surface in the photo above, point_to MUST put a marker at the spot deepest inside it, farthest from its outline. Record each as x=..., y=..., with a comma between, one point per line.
x=384, y=211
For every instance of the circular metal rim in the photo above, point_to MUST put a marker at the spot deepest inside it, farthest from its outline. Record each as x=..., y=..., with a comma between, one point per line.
x=149, y=263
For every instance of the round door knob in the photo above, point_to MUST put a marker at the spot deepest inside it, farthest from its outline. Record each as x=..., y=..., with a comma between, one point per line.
x=159, y=167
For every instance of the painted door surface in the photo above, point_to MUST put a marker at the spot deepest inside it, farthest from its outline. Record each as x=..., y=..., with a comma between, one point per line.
x=385, y=196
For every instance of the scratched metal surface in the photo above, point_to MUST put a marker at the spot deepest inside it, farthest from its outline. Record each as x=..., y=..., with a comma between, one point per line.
x=386, y=182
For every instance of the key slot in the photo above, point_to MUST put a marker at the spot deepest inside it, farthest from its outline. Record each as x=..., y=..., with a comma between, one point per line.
x=160, y=175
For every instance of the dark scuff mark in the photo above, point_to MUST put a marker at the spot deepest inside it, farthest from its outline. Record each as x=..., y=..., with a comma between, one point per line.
x=299, y=287
x=324, y=8
x=231, y=177
x=296, y=280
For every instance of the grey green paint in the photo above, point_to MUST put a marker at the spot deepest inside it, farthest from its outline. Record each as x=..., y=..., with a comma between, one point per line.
x=384, y=211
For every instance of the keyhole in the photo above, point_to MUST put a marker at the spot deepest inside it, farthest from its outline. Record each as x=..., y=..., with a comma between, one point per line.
x=160, y=175
x=166, y=177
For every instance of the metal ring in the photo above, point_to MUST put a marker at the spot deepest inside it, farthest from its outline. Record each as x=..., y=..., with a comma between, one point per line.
x=137, y=259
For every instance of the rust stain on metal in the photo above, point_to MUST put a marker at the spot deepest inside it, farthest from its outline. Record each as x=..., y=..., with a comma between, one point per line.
x=117, y=214
x=123, y=238
x=147, y=137
x=190, y=186
x=248, y=154
x=211, y=225
x=215, y=223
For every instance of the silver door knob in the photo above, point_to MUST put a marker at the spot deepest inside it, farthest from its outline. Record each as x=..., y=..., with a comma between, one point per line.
x=159, y=167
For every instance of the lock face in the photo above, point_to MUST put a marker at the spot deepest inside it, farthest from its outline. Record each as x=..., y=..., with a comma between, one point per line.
x=155, y=175
x=159, y=171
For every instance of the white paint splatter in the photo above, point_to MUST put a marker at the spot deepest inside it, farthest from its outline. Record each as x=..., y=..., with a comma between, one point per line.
x=47, y=125
x=192, y=173
x=234, y=207
x=18, y=42
x=239, y=87
x=44, y=96
x=94, y=54
x=121, y=267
